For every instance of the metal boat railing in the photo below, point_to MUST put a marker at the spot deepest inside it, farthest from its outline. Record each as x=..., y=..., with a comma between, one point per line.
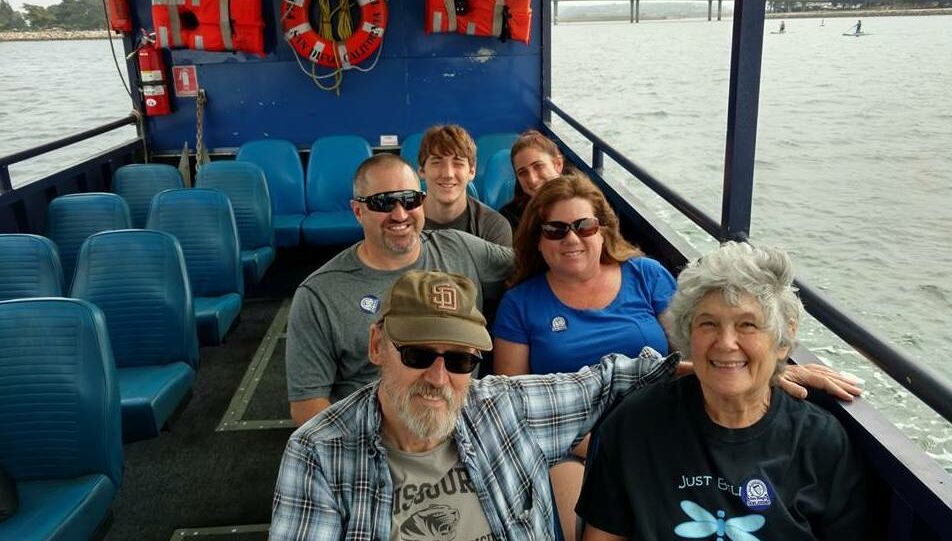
x=926, y=383
x=6, y=183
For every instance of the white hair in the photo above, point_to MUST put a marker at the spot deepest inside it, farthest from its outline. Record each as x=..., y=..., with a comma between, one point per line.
x=738, y=269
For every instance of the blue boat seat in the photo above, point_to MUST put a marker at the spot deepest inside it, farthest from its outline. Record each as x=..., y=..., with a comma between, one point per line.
x=203, y=222
x=29, y=267
x=499, y=181
x=138, y=279
x=330, y=180
x=246, y=188
x=71, y=219
x=282, y=168
x=60, y=424
x=410, y=149
x=138, y=183
x=487, y=146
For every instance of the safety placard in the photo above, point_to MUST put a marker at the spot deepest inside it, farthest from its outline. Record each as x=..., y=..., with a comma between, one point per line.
x=186, y=81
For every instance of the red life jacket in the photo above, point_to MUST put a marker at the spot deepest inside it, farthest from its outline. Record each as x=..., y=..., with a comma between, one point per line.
x=504, y=19
x=209, y=25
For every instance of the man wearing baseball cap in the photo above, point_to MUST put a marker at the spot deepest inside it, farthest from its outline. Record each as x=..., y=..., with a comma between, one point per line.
x=429, y=453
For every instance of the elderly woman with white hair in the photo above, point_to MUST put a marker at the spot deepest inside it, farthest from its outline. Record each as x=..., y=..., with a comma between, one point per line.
x=722, y=452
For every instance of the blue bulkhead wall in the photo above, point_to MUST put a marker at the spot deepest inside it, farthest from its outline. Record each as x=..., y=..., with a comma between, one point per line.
x=479, y=82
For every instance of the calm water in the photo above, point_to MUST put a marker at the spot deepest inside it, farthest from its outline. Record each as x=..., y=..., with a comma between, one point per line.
x=854, y=172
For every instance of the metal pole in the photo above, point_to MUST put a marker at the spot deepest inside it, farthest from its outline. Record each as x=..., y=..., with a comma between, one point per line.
x=718, y=10
x=637, y=10
x=631, y=11
x=555, y=17
x=743, y=100
x=710, y=6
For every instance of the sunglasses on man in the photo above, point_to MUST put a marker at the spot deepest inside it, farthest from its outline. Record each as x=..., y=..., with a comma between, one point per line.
x=421, y=358
x=387, y=201
x=583, y=227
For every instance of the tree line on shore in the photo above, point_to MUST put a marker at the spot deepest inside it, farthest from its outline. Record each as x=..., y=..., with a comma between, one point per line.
x=67, y=15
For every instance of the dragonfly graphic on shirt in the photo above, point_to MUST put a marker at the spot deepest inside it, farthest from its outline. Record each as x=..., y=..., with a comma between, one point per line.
x=705, y=524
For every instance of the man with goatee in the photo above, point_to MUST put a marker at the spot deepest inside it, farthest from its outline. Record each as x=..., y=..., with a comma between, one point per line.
x=326, y=352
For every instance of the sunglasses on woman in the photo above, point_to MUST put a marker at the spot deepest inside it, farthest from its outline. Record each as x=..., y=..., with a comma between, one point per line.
x=583, y=227
x=387, y=201
x=421, y=358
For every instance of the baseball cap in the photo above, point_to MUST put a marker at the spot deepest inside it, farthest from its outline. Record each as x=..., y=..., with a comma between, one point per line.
x=429, y=307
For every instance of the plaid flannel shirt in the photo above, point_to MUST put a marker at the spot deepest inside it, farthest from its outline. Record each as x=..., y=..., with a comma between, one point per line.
x=335, y=482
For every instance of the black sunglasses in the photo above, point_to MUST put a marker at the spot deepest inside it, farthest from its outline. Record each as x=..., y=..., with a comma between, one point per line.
x=387, y=201
x=421, y=358
x=583, y=227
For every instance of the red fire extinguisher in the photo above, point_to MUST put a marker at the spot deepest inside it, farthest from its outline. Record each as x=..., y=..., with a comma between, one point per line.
x=119, y=18
x=155, y=91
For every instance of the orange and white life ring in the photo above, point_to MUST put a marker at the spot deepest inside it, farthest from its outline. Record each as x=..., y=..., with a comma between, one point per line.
x=362, y=43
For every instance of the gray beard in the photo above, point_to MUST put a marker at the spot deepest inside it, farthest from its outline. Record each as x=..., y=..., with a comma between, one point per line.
x=429, y=423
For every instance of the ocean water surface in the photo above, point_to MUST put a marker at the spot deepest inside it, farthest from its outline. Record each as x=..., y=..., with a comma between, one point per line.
x=853, y=172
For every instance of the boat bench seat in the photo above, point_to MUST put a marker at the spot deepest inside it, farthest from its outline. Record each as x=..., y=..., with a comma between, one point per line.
x=29, y=267
x=60, y=428
x=330, y=187
x=138, y=183
x=247, y=190
x=486, y=147
x=60, y=509
x=331, y=228
x=71, y=219
x=149, y=396
x=215, y=315
x=255, y=263
x=498, y=184
x=287, y=229
x=203, y=222
x=138, y=279
x=284, y=174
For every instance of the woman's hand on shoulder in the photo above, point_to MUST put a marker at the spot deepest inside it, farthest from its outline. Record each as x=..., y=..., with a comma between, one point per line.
x=797, y=378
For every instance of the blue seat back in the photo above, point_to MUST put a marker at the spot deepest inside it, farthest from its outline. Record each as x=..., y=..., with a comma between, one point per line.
x=247, y=189
x=204, y=224
x=499, y=181
x=29, y=267
x=281, y=163
x=330, y=171
x=59, y=409
x=71, y=219
x=138, y=279
x=410, y=150
x=488, y=145
x=138, y=183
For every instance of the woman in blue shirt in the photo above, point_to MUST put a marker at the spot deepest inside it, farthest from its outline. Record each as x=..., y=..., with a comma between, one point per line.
x=580, y=291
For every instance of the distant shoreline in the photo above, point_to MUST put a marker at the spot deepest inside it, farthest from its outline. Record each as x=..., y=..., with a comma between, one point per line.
x=54, y=35
x=829, y=14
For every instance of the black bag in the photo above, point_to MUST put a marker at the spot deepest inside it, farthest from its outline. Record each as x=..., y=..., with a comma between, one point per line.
x=8, y=496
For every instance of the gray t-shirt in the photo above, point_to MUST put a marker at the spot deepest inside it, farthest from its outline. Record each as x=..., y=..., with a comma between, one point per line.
x=480, y=220
x=330, y=318
x=434, y=498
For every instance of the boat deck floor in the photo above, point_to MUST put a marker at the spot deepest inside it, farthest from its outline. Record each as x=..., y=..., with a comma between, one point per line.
x=211, y=476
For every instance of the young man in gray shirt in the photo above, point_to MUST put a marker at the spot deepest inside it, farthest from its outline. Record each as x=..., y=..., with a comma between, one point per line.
x=447, y=162
x=327, y=344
